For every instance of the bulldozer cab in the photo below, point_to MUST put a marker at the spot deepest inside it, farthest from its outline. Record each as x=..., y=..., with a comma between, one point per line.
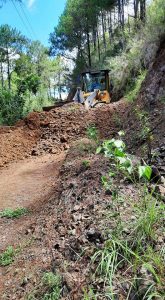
x=95, y=80
x=96, y=87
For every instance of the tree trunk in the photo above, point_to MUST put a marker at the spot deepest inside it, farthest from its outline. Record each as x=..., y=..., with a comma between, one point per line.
x=8, y=70
x=1, y=70
x=119, y=12
x=94, y=39
x=142, y=10
x=103, y=29
x=136, y=5
x=110, y=26
x=98, y=45
x=89, y=49
x=122, y=13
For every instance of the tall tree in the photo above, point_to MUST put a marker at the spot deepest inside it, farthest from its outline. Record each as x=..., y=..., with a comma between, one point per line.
x=12, y=42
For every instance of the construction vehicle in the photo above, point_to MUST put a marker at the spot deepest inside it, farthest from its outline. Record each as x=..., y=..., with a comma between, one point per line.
x=96, y=88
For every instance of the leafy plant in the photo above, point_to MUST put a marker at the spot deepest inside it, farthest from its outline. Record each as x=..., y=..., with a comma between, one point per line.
x=86, y=163
x=16, y=213
x=92, y=132
x=7, y=257
x=53, y=283
x=145, y=172
x=115, y=150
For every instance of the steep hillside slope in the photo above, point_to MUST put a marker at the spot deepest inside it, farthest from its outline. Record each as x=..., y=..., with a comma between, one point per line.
x=146, y=116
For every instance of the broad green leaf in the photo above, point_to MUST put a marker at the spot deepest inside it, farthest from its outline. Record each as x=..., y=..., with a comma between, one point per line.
x=99, y=149
x=145, y=171
x=119, y=144
x=119, y=153
x=104, y=179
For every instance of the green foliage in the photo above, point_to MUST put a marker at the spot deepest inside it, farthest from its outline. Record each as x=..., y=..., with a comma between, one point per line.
x=92, y=132
x=7, y=257
x=86, y=163
x=141, y=45
x=133, y=92
x=106, y=182
x=11, y=106
x=150, y=213
x=28, y=77
x=53, y=283
x=115, y=150
x=145, y=171
x=16, y=213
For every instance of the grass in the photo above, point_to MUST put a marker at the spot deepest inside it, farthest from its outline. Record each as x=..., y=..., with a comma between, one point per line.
x=117, y=255
x=16, y=213
x=7, y=257
x=135, y=250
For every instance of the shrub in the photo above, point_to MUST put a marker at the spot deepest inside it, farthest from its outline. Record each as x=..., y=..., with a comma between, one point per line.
x=11, y=107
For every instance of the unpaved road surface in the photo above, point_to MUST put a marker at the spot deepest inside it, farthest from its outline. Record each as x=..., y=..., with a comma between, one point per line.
x=29, y=182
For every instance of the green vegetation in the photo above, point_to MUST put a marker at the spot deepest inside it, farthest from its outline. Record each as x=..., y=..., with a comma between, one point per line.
x=7, y=257
x=115, y=150
x=132, y=251
x=89, y=295
x=86, y=163
x=49, y=288
x=104, y=37
x=53, y=283
x=107, y=37
x=135, y=254
x=133, y=92
x=16, y=213
x=29, y=79
x=92, y=132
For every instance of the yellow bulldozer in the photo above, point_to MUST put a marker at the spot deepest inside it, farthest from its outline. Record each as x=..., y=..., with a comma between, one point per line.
x=96, y=88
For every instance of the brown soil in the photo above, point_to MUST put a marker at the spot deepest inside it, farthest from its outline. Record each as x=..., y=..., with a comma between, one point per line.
x=28, y=182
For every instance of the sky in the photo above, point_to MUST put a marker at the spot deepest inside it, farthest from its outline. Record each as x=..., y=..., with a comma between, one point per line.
x=35, y=19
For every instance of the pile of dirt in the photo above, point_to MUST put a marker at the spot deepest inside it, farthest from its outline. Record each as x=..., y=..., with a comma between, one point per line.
x=66, y=124
x=16, y=143
x=52, y=132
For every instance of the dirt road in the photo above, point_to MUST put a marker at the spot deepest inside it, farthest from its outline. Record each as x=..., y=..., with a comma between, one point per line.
x=27, y=184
